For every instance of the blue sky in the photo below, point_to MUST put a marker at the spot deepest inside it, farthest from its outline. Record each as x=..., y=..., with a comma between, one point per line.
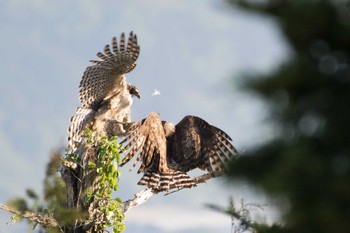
x=192, y=51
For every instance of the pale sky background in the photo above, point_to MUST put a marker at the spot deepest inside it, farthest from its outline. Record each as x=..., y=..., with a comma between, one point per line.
x=192, y=51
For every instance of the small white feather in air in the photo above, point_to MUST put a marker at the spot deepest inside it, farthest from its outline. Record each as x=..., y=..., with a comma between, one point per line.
x=156, y=92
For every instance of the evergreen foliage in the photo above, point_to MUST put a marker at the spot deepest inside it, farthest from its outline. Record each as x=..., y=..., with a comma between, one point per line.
x=308, y=161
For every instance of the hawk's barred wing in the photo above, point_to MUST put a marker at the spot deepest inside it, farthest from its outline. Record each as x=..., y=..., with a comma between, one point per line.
x=191, y=144
x=101, y=78
x=197, y=144
x=147, y=140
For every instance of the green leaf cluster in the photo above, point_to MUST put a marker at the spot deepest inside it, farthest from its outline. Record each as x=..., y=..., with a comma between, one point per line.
x=106, y=166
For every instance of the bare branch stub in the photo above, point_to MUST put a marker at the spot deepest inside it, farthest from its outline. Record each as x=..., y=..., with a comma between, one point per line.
x=45, y=221
x=139, y=198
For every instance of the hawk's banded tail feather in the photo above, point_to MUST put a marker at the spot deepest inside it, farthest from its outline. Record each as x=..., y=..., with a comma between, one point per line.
x=164, y=181
x=78, y=123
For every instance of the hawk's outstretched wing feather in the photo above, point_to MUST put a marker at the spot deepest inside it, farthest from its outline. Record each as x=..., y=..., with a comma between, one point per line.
x=148, y=141
x=100, y=79
x=197, y=144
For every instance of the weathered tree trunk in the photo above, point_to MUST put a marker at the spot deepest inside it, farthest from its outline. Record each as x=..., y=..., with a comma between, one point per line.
x=81, y=184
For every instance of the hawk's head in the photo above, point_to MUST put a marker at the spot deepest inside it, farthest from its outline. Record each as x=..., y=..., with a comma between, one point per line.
x=133, y=91
x=169, y=128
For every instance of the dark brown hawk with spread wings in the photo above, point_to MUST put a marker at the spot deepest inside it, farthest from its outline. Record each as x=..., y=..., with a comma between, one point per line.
x=167, y=152
x=105, y=95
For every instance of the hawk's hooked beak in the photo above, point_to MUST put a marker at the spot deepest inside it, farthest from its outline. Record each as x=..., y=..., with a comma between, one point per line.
x=135, y=92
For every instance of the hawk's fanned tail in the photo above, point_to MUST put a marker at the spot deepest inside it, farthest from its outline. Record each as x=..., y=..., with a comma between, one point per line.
x=78, y=123
x=164, y=181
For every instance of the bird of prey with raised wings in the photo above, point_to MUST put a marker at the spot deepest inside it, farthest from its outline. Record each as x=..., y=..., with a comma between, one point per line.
x=104, y=93
x=167, y=152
